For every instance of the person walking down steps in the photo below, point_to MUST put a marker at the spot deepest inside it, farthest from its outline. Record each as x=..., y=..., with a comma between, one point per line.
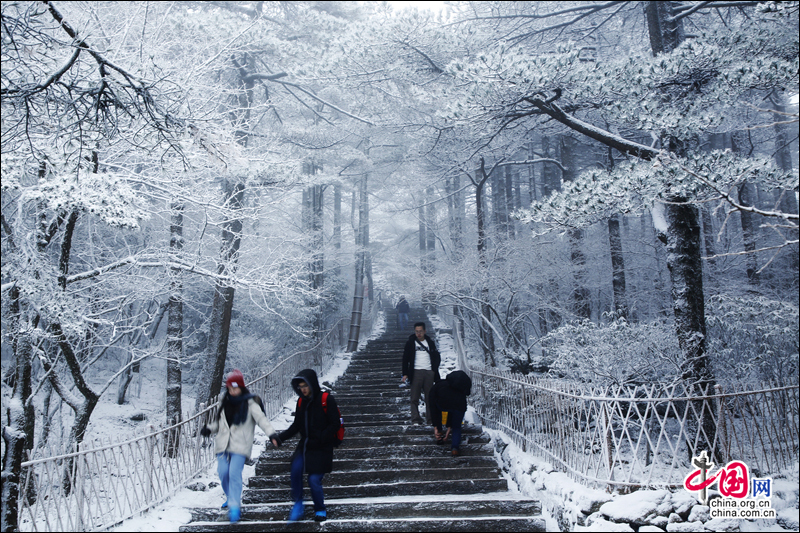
x=234, y=421
x=402, y=313
x=448, y=405
x=421, y=362
x=318, y=426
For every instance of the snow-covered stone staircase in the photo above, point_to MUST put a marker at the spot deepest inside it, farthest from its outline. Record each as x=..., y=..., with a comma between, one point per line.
x=387, y=475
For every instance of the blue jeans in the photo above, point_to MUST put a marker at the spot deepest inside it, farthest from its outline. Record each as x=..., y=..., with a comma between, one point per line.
x=229, y=467
x=454, y=419
x=402, y=320
x=314, y=483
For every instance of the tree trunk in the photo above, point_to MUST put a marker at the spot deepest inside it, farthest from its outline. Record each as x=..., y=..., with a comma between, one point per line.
x=362, y=241
x=617, y=267
x=337, y=227
x=683, y=246
x=708, y=237
x=749, y=231
x=486, y=333
x=581, y=296
x=14, y=433
x=509, y=202
x=175, y=332
x=222, y=307
x=428, y=298
x=423, y=239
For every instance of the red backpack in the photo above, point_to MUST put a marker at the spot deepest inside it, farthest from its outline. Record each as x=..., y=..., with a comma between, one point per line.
x=340, y=433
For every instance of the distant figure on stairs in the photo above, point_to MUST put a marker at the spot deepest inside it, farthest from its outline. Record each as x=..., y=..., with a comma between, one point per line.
x=421, y=362
x=317, y=426
x=402, y=313
x=448, y=404
x=234, y=421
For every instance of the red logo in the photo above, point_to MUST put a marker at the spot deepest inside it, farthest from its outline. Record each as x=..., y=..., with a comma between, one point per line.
x=731, y=480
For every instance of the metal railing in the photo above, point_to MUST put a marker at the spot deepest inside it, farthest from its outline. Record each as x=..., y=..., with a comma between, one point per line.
x=637, y=435
x=100, y=483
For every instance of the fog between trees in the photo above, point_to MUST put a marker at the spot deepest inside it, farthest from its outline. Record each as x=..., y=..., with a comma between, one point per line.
x=604, y=192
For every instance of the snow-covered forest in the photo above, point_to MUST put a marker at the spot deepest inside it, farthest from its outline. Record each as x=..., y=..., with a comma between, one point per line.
x=601, y=192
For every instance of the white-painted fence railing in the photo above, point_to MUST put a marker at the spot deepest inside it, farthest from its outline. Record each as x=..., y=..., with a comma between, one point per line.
x=637, y=435
x=103, y=482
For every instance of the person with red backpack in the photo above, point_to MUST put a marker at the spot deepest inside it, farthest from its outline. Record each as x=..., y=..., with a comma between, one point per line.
x=318, y=421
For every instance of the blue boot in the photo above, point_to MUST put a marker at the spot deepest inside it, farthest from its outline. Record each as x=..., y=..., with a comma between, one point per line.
x=225, y=505
x=234, y=514
x=320, y=516
x=297, y=512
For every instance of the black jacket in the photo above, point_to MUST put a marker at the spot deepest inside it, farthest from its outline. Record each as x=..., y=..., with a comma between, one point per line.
x=450, y=394
x=410, y=353
x=402, y=306
x=316, y=427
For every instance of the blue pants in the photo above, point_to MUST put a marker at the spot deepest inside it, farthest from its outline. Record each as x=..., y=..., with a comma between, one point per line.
x=229, y=467
x=454, y=419
x=314, y=483
x=402, y=320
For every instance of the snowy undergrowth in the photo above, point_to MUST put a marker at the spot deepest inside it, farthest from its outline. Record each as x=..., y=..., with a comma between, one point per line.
x=562, y=498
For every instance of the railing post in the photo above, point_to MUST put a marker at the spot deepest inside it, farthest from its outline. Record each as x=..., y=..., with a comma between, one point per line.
x=607, y=442
x=721, y=442
x=150, y=461
x=355, y=320
x=77, y=488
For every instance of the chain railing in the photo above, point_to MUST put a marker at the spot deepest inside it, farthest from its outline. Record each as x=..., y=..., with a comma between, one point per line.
x=100, y=483
x=637, y=435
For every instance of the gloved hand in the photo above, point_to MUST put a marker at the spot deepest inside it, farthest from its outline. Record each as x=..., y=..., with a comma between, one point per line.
x=205, y=431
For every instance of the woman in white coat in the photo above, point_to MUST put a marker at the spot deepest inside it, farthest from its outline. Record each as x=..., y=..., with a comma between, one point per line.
x=234, y=422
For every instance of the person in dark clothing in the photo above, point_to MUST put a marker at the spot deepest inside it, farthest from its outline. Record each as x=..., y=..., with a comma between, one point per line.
x=402, y=313
x=450, y=396
x=314, y=453
x=421, y=362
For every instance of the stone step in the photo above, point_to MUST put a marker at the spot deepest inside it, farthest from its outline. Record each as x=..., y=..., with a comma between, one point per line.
x=394, y=453
x=357, y=367
x=374, y=490
x=389, y=397
x=383, y=392
x=381, y=510
x=387, y=377
x=389, y=525
x=403, y=440
x=269, y=468
x=381, y=430
x=347, y=478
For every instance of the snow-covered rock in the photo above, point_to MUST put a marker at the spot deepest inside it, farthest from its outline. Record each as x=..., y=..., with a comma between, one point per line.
x=597, y=523
x=682, y=502
x=680, y=527
x=637, y=506
x=699, y=513
x=657, y=521
x=789, y=518
x=722, y=524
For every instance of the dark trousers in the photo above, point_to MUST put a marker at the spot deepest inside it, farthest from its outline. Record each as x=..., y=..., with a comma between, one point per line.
x=421, y=383
x=314, y=483
x=454, y=419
